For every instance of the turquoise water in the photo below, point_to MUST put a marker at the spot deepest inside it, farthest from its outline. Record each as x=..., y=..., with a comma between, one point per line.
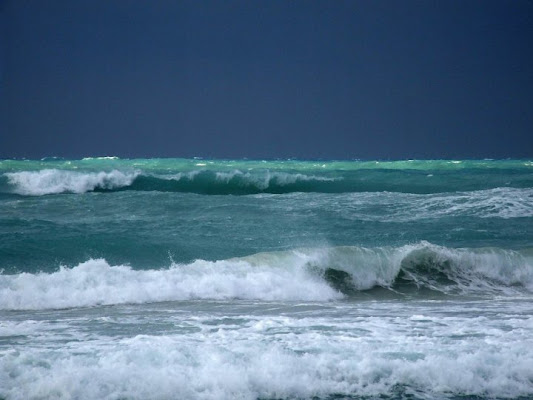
x=215, y=279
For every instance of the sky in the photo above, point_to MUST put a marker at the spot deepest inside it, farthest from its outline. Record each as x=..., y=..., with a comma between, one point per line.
x=381, y=79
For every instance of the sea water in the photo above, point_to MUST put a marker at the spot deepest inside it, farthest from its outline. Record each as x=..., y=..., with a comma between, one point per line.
x=242, y=279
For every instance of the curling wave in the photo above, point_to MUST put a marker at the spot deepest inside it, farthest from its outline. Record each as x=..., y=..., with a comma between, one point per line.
x=320, y=274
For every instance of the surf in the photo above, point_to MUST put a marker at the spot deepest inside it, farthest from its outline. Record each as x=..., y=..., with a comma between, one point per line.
x=313, y=274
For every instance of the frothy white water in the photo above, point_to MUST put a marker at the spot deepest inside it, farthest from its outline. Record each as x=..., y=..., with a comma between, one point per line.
x=52, y=181
x=284, y=357
x=286, y=276
x=95, y=282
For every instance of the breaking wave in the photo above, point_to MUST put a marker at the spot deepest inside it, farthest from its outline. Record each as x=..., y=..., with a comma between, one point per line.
x=53, y=181
x=236, y=182
x=504, y=202
x=319, y=274
x=55, y=175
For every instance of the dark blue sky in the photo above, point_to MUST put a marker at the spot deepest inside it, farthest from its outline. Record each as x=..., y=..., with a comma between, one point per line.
x=267, y=79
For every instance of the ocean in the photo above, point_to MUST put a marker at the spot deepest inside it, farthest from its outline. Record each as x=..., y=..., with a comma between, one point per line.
x=251, y=279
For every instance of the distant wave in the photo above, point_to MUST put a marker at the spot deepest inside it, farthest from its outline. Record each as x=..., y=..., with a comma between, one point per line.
x=238, y=182
x=53, y=181
x=319, y=274
x=503, y=202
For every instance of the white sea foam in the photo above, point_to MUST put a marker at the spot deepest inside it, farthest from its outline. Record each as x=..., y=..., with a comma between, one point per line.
x=51, y=181
x=96, y=282
x=284, y=357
